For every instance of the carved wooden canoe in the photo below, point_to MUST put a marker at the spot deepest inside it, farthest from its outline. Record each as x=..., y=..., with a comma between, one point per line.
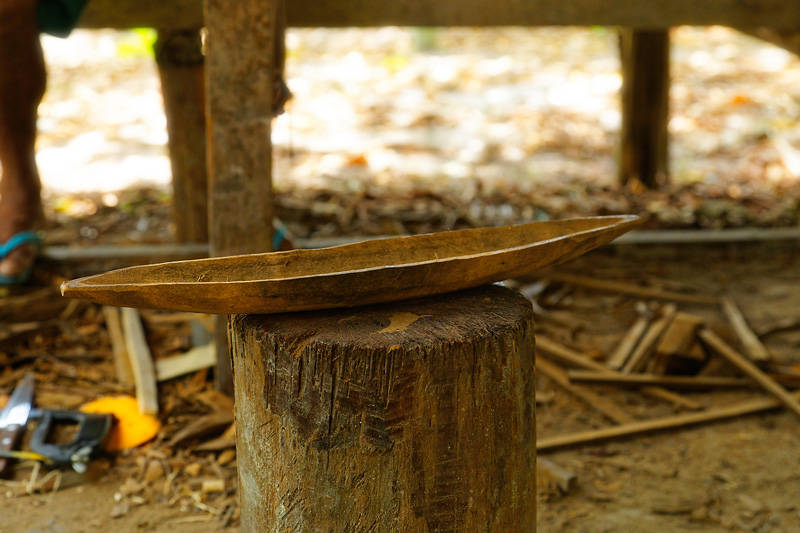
x=353, y=274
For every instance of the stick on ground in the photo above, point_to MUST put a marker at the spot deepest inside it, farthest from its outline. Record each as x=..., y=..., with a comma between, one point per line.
x=629, y=288
x=676, y=382
x=639, y=356
x=141, y=361
x=596, y=402
x=752, y=345
x=740, y=362
x=646, y=426
x=618, y=359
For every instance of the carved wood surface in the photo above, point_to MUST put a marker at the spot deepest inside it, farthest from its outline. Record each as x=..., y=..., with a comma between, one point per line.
x=410, y=416
x=355, y=274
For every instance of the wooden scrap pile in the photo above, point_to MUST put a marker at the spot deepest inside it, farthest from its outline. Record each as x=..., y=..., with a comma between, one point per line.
x=79, y=352
x=666, y=349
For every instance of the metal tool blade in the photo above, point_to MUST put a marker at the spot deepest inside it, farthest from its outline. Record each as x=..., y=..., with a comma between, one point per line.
x=18, y=408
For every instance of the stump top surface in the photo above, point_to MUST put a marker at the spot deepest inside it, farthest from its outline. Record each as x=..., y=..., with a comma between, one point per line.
x=450, y=317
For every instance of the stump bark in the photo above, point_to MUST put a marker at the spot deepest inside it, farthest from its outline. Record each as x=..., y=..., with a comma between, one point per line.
x=410, y=416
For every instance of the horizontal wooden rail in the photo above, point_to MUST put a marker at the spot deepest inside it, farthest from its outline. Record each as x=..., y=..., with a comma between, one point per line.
x=170, y=14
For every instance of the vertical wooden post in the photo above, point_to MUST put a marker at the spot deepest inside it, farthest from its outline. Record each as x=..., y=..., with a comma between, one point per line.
x=239, y=76
x=409, y=416
x=179, y=56
x=643, y=156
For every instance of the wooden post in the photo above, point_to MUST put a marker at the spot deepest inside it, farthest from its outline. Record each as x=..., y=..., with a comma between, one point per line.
x=179, y=57
x=643, y=155
x=410, y=416
x=239, y=76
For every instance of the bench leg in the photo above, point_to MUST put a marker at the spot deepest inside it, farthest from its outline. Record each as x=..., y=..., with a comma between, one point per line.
x=180, y=66
x=645, y=107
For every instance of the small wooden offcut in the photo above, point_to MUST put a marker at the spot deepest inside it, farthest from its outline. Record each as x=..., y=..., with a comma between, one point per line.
x=409, y=416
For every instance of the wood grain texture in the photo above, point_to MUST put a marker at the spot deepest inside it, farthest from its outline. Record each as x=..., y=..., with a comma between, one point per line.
x=427, y=428
x=322, y=13
x=356, y=274
x=179, y=57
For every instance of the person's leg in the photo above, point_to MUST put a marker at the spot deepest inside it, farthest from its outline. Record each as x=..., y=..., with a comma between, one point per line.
x=22, y=84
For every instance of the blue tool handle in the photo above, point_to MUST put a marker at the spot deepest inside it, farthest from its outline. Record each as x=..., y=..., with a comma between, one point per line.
x=92, y=432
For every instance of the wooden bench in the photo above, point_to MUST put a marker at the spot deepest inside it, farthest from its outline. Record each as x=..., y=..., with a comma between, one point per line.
x=644, y=50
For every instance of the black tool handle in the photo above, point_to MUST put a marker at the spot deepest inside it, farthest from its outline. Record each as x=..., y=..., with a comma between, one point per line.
x=92, y=432
x=9, y=439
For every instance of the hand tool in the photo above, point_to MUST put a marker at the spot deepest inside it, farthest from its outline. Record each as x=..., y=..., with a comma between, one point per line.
x=89, y=437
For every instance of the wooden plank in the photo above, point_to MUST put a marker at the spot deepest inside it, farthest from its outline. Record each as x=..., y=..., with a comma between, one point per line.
x=195, y=359
x=639, y=356
x=239, y=82
x=681, y=402
x=141, y=361
x=629, y=288
x=617, y=359
x=644, y=55
x=646, y=426
x=122, y=363
x=179, y=57
x=596, y=402
x=565, y=355
x=335, y=13
x=679, y=336
x=751, y=370
x=752, y=345
x=676, y=382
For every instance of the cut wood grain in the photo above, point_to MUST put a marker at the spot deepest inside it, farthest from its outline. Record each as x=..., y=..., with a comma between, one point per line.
x=617, y=359
x=648, y=343
x=191, y=361
x=676, y=382
x=628, y=288
x=122, y=363
x=600, y=404
x=646, y=426
x=751, y=370
x=752, y=345
x=141, y=361
x=428, y=428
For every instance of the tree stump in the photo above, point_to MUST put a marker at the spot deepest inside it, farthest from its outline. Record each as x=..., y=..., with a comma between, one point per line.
x=410, y=416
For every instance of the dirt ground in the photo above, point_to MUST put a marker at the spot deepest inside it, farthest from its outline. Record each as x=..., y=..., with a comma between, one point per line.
x=739, y=475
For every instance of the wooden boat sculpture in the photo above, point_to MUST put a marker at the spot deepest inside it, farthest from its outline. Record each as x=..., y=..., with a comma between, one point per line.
x=353, y=274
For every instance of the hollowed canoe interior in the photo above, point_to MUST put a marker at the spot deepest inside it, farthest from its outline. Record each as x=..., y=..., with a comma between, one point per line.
x=358, y=256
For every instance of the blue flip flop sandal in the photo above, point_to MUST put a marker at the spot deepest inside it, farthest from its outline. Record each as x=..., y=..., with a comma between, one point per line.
x=20, y=239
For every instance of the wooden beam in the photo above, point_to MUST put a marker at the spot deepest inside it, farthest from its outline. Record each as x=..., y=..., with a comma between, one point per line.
x=646, y=426
x=179, y=57
x=644, y=55
x=141, y=361
x=335, y=13
x=751, y=370
x=677, y=382
x=239, y=81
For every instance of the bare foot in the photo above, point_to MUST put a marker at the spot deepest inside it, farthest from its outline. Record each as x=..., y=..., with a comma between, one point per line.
x=14, y=219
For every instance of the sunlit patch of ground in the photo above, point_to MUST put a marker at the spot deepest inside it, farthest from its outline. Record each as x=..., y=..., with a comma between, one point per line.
x=508, y=124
